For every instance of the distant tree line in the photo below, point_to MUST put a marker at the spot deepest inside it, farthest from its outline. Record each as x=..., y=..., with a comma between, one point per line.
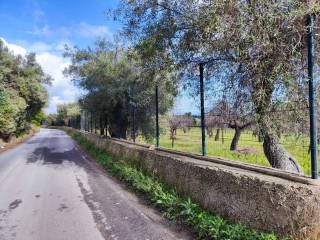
x=67, y=114
x=120, y=88
x=22, y=93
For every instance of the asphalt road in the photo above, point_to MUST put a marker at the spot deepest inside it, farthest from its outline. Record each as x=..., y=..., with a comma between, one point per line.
x=50, y=190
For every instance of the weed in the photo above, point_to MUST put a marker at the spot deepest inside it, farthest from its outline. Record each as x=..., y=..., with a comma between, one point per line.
x=176, y=208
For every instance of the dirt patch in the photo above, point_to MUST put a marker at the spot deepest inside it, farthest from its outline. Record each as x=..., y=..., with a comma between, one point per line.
x=15, y=141
x=248, y=150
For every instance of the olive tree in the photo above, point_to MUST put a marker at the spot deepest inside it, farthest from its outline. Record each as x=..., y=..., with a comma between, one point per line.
x=118, y=82
x=265, y=41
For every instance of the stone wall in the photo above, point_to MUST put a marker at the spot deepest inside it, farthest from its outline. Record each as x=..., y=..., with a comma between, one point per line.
x=263, y=198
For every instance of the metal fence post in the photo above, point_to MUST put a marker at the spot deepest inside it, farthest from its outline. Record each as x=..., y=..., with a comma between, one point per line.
x=91, y=123
x=133, y=117
x=95, y=124
x=312, y=97
x=85, y=121
x=203, y=131
x=157, y=118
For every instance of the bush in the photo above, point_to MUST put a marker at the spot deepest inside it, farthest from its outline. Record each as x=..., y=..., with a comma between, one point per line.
x=12, y=113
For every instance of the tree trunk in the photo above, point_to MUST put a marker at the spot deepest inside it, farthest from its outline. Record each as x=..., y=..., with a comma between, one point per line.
x=95, y=125
x=118, y=130
x=118, y=126
x=102, y=131
x=277, y=156
x=117, y=122
x=91, y=123
x=217, y=137
x=210, y=132
x=236, y=138
x=172, y=136
x=101, y=126
x=222, y=137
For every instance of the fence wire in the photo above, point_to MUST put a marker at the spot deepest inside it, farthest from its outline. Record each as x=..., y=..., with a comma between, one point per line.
x=185, y=135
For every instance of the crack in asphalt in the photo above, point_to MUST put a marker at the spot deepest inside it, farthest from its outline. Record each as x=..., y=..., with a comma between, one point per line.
x=99, y=218
x=15, y=204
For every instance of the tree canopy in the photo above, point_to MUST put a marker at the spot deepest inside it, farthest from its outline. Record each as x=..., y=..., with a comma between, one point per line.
x=22, y=92
x=259, y=46
x=118, y=85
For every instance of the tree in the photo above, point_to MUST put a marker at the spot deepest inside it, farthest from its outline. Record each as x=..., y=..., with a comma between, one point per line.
x=66, y=112
x=12, y=113
x=176, y=122
x=263, y=41
x=118, y=83
x=22, y=92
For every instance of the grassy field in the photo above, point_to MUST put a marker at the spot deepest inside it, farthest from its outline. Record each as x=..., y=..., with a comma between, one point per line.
x=250, y=149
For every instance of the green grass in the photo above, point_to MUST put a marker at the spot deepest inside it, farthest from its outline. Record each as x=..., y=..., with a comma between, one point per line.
x=191, y=142
x=174, y=207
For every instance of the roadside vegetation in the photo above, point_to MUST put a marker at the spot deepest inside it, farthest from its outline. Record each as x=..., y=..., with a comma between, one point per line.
x=174, y=207
x=22, y=93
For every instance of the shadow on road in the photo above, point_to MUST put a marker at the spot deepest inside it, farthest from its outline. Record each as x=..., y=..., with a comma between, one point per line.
x=48, y=156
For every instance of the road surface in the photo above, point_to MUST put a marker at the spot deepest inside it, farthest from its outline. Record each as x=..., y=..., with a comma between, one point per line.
x=51, y=190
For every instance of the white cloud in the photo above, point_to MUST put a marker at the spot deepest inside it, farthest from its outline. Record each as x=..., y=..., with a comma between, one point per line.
x=52, y=62
x=53, y=65
x=55, y=100
x=16, y=49
x=88, y=30
x=62, y=89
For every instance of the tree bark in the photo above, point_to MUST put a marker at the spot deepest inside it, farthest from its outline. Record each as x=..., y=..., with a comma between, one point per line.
x=222, y=135
x=217, y=137
x=118, y=130
x=210, y=132
x=95, y=125
x=118, y=122
x=235, y=139
x=277, y=156
x=172, y=136
x=105, y=127
x=238, y=128
x=184, y=130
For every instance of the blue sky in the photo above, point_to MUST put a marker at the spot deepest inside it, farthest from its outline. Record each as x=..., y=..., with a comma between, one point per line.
x=45, y=26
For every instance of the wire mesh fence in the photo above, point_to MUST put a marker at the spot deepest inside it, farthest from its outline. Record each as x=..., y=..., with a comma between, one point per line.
x=219, y=121
x=183, y=132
